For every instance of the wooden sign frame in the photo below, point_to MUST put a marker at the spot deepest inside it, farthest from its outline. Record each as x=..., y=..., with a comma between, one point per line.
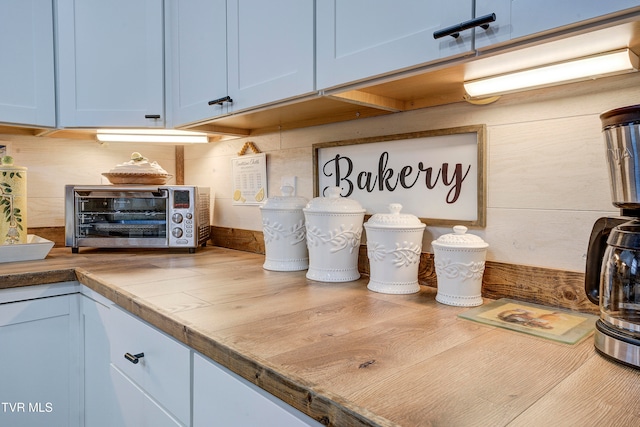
x=428, y=172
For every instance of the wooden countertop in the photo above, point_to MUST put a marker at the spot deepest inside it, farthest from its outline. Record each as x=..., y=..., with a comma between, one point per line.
x=347, y=356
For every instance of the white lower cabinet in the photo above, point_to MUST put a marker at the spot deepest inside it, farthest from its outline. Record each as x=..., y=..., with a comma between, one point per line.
x=39, y=362
x=152, y=366
x=62, y=363
x=135, y=407
x=222, y=398
x=100, y=403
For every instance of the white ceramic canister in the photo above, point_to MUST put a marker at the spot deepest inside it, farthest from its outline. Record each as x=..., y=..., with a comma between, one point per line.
x=459, y=260
x=394, y=245
x=334, y=229
x=13, y=202
x=284, y=232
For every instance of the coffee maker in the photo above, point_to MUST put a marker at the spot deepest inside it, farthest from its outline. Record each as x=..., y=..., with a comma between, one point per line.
x=612, y=276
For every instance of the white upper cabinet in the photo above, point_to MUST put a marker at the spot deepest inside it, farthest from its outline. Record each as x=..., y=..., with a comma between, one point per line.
x=358, y=39
x=270, y=51
x=27, y=87
x=110, y=63
x=521, y=18
x=234, y=55
x=198, y=58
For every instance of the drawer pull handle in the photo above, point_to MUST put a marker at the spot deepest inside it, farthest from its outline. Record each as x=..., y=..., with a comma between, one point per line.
x=454, y=30
x=219, y=101
x=152, y=116
x=133, y=358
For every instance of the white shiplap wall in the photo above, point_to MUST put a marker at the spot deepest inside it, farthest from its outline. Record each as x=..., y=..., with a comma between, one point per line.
x=547, y=177
x=52, y=163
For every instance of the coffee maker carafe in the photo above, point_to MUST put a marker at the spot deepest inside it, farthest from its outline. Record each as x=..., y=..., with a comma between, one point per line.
x=612, y=277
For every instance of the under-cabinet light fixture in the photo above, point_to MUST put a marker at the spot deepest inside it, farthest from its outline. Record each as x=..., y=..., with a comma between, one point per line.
x=590, y=67
x=151, y=135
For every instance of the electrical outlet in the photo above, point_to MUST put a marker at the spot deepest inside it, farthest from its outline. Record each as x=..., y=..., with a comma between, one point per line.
x=289, y=181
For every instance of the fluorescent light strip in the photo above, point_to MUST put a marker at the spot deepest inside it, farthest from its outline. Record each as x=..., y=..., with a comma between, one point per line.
x=611, y=63
x=151, y=135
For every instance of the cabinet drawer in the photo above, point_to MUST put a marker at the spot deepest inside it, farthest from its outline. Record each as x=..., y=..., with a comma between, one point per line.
x=223, y=398
x=164, y=370
x=135, y=407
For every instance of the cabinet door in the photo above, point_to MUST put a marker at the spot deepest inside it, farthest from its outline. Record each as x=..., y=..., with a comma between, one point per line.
x=164, y=372
x=111, y=63
x=270, y=49
x=100, y=408
x=199, y=59
x=222, y=398
x=27, y=86
x=358, y=39
x=39, y=363
x=520, y=18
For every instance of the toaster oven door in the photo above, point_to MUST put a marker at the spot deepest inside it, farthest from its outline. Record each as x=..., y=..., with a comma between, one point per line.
x=121, y=218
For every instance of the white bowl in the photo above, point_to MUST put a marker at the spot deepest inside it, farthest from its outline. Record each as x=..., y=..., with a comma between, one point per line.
x=35, y=248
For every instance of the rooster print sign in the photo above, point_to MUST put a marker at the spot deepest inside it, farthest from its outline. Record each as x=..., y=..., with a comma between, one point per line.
x=553, y=322
x=533, y=319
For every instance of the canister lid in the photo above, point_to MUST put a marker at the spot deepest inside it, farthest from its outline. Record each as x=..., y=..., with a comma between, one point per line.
x=6, y=164
x=394, y=219
x=460, y=239
x=285, y=202
x=620, y=116
x=334, y=203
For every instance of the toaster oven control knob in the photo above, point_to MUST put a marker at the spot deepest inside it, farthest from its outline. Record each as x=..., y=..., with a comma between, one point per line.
x=177, y=218
x=177, y=232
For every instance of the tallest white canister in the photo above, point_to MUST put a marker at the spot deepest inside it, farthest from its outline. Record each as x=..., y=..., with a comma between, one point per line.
x=334, y=229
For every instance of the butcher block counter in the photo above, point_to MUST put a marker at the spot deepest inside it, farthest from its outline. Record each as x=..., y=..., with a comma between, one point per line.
x=347, y=356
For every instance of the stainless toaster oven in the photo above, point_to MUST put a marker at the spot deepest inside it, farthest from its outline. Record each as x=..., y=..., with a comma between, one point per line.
x=136, y=216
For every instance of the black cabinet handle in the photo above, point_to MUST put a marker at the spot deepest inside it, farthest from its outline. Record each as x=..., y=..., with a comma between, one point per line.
x=220, y=101
x=133, y=358
x=454, y=30
x=152, y=116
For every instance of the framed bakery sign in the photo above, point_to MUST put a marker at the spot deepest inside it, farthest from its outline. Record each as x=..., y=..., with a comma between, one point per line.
x=437, y=175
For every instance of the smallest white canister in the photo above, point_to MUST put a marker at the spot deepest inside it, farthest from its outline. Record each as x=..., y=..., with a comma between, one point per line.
x=284, y=232
x=394, y=245
x=459, y=260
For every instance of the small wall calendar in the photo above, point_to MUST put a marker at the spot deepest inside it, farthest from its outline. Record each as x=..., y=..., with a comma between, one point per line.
x=249, y=179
